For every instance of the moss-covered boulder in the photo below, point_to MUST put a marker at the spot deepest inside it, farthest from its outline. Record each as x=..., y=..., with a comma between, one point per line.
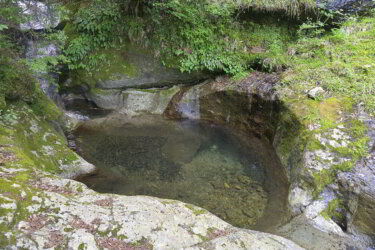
x=132, y=67
x=38, y=144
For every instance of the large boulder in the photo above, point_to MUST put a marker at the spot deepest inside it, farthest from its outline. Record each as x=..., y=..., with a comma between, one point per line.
x=39, y=15
x=346, y=5
x=71, y=216
x=133, y=67
x=41, y=52
x=249, y=105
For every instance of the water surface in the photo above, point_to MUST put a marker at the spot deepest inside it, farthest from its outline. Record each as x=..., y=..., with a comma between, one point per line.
x=231, y=174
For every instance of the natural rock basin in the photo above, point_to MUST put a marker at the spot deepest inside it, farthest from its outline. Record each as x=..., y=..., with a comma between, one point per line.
x=234, y=175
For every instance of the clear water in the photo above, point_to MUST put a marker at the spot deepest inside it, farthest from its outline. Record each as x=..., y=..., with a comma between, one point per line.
x=228, y=173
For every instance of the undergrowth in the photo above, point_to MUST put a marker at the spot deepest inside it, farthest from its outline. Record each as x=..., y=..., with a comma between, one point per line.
x=342, y=62
x=190, y=35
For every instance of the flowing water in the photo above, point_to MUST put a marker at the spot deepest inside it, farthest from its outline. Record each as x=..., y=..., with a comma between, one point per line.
x=231, y=174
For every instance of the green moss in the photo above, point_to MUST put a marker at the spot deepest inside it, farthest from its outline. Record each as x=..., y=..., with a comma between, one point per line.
x=3, y=104
x=68, y=229
x=46, y=108
x=80, y=189
x=341, y=62
x=36, y=143
x=143, y=244
x=322, y=179
x=16, y=79
x=332, y=210
x=196, y=211
x=102, y=92
x=293, y=139
x=113, y=64
x=315, y=144
x=116, y=63
x=168, y=202
x=357, y=146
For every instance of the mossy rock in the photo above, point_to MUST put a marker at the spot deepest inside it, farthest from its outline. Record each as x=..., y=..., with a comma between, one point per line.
x=132, y=67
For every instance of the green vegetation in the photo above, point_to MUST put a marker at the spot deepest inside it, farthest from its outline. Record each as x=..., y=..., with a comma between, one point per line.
x=95, y=26
x=16, y=80
x=332, y=210
x=17, y=75
x=196, y=211
x=342, y=62
x=192, y=35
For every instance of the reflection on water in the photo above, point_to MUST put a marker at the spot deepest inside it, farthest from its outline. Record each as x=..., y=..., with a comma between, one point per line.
x=194, y=162
x=85, y=108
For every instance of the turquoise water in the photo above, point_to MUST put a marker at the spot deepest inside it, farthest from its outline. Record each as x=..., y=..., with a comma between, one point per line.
x=210, y=166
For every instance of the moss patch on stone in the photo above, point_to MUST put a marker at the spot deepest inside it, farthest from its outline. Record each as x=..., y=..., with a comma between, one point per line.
x=320, y=61
x=332, y=210
x=341, y=62
x=113, y=64
x=197, y=211
x=38, y=150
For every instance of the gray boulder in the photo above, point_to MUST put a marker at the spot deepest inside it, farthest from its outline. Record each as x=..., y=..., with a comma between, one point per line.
x=133, y=67
x=40, y=15
x=346, y=5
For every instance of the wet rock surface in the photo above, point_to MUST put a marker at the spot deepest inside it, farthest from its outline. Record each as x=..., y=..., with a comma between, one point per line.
x=309, y=226
x=134, y=101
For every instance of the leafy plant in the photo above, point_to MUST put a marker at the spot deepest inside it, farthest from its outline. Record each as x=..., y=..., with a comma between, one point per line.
x=200, y=36
x=189, y=34
x=96, y=26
